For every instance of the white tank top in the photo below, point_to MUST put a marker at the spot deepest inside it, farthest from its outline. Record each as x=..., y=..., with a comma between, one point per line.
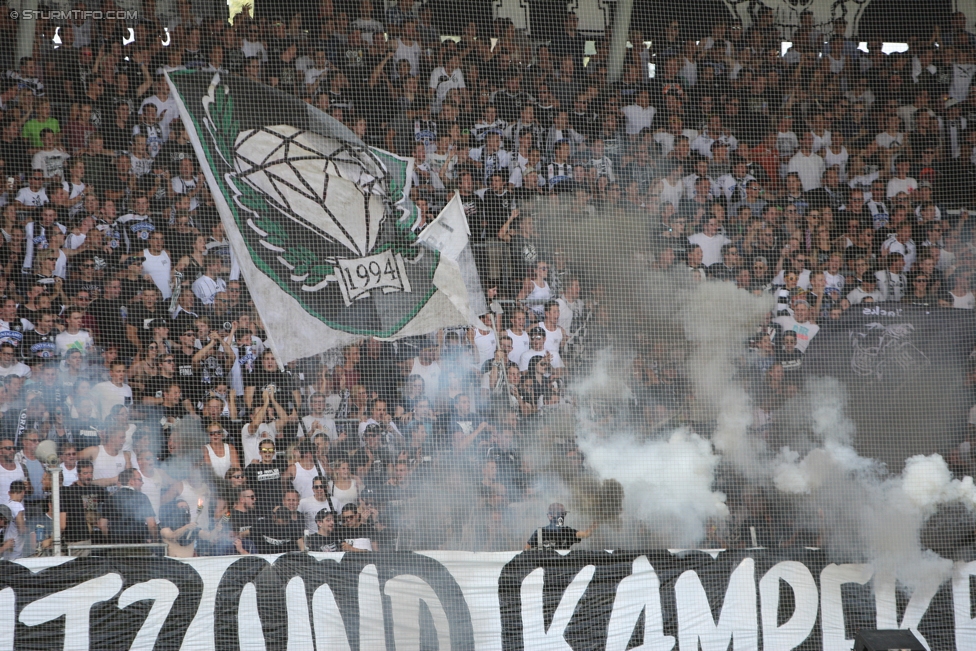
x=486, y=345
x=303, y=479
x=536, y=300
x=152, y=489
x=342, y=497
x=106, y=466
x=553, y=337
x=7, y=477
x=520, y=344
x=70, y=476
x=220, y=465
x=158, y=268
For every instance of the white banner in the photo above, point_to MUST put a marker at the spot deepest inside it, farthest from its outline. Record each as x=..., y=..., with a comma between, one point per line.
x=658, y=600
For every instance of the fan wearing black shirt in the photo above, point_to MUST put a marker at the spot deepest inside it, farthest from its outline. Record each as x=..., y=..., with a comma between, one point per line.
x=283, y=531
x=244, y=514
x=325, y=539
x=355, y=534
x=173, y=408
x=118, y=130
x=556, y=535
x=13, y=149
x=183, y=360
x=107, y=311
x=142, y=311
x=790, y=357
x=80, y=502
x=176, y=148
x=266, y=478
x=39, y=342
x=268, y=373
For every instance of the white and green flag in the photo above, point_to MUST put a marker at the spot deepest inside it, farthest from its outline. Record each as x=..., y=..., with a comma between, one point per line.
x=321, y=223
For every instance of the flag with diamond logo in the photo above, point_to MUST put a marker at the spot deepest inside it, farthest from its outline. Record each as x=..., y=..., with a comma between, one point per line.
x=320, y=223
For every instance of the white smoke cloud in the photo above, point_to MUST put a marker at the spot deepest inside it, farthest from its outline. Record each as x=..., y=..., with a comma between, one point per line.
x=668, y=484
x=864, y=512
x=717, y=319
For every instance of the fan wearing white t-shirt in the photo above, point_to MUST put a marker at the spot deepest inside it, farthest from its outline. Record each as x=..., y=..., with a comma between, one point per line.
x=73, y=337
x=901, y=182
x=711, y=242
x=320, y=421
x=801, y=324
x=901, y=242
x=640, y=114
x=115, y=391
x=263, y=425
x=33, y=195
x=442, y=82
x=207, y=286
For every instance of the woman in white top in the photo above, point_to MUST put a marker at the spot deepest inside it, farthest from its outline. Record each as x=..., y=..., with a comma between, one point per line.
x=535, y=291
x=961, y=296
x=220, y=455
x=408, y=47
x=483, y=339
x=304, y=468
x=344, y=488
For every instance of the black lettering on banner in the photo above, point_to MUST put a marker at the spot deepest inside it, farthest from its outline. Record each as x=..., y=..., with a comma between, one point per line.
x=109, y=603
x=614, y=601
x=371, y=600
x=769, y=599
x=228, y=600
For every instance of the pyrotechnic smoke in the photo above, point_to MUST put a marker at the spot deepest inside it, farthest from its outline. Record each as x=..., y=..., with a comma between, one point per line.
x=662, y=485
x=861, y=510
x=667, y=484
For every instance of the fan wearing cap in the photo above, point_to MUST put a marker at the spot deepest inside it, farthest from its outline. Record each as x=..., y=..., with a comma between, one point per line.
x=556, y=535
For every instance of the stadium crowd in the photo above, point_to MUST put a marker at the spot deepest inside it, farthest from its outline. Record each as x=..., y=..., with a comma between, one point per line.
x=827, y=176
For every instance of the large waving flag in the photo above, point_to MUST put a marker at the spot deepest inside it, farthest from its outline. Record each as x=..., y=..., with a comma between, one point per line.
x=321, y=223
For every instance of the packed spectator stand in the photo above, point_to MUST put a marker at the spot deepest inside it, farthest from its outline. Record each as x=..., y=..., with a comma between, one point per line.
x=825, y=176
